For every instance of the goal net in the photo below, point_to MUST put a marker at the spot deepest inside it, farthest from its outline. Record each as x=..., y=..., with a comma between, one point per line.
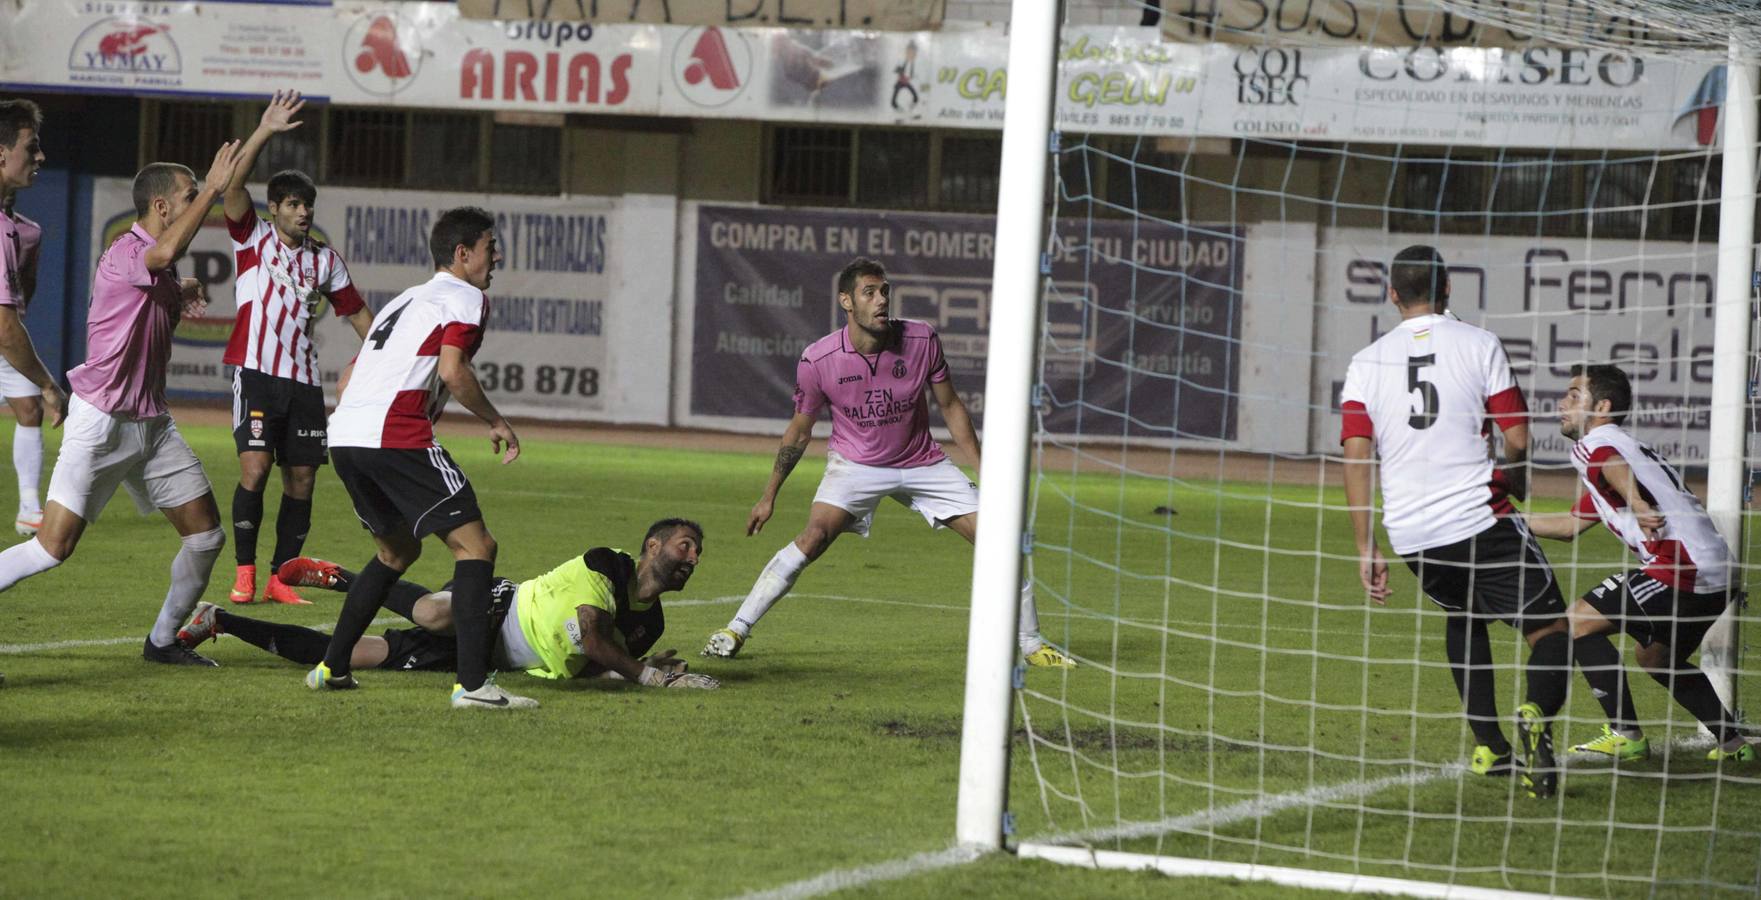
x=1217, y=249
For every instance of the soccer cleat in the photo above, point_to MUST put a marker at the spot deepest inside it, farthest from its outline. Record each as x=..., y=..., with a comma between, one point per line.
x=1050, y=657
x=174, y=655
x=1540, y=773
x=1490, y=764
x=28, y=523
x=1745, y=753
x=320, y=677
x=1613, y=743
x=306, y=571
x=203, y=626
x=724, y=644
x=244, y=585
x=489, y=696
x=277, y=592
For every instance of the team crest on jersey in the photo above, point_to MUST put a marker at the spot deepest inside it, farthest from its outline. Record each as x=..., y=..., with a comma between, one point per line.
x=899, y=369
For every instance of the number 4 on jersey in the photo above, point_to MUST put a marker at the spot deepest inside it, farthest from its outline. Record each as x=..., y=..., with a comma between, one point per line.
x=383, y=333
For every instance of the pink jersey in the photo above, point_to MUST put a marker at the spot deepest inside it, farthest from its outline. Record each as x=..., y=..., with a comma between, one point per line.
x=280, y=294
x=395, y=393
x=1423, y=393
x=19, y=239
x=879, y=414
x=128, y=330
x=1688, y=553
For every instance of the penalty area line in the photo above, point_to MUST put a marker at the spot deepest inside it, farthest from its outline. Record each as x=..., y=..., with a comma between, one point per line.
x=50, y=646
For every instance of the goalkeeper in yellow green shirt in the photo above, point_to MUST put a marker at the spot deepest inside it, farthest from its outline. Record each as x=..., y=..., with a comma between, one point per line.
x=596, y=614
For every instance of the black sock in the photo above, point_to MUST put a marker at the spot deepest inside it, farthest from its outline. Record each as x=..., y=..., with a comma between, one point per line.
x=1549, y=672
x=366, y=593
x=291, y=525
x=1693, y=690
x=1471, y=665
x=470, y=619
x=291, y=642
x=1600, y=662
x=402, y=598
x=247, y=517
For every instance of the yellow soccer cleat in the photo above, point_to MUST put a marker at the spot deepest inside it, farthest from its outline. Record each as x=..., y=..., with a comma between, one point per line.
x=1745, y=753
x=724, y=644
x=1612, y=743
x=1049, y=657
x=1540, y=771
x=1489, y=764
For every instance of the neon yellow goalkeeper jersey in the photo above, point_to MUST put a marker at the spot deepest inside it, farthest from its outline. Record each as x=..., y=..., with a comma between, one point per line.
x=546, y=609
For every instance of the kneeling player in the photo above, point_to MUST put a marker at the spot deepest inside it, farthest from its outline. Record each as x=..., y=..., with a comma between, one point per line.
x=597, y=613
x=1669, y=602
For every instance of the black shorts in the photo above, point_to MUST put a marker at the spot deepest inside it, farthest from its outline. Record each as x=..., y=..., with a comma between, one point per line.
x=1499, y=573
x=418, y=491
x=278, y=416
x=419, y=650
x=1654, y=612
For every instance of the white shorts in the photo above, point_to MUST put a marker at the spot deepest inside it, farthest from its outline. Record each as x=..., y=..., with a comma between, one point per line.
x=13, y=384
x=938, y=492
x=101, y=451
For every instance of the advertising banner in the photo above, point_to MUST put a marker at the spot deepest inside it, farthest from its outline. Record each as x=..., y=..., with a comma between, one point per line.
x=544, y=353
x=1645, y=306
x=1112, y=80
x=886, y=15
x=1142, y=325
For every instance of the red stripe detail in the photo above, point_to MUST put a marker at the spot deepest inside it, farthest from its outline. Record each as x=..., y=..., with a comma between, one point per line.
x=245, y=260
x=1593, y=472
x=1508, y=408
x=406, y=422
x=465, y=337
x=347, y=301
x=1356, y=421
x=275, y=367
x=1500, y=499
x=241, y=230
x=431, y=343
x=1671, y=564
x=241, y=337
x=1585, y=508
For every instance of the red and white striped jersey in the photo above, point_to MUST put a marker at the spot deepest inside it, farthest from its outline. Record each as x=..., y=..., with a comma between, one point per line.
x=1423, y=392
x=281, y=293
x=395, y=394
x=1688, y=553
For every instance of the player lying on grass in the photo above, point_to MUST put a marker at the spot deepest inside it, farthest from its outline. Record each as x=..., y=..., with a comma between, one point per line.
x=1680, y=588
x=597, y=613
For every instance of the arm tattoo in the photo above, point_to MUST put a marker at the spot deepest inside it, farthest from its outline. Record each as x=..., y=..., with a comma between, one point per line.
x=787, y=457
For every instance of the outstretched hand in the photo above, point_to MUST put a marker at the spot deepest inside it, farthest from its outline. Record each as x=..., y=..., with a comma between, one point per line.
x=225, y=164
x=279, y=117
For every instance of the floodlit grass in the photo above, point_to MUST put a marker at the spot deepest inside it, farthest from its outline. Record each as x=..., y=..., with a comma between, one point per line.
x=834, y=742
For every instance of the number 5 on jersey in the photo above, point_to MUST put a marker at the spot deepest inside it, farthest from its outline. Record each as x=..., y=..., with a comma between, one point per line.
x=1426, y=415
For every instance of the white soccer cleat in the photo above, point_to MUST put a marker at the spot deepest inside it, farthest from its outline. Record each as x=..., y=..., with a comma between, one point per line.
x=28, y=523
x=203, y=626
x=489, y=696
x=724, y=644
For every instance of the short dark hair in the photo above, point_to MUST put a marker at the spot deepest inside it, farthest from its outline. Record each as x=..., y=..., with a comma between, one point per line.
x=857, y=268
x=1607, y=383
x=1418, y=275
x=292, y=182
x=16, y=116
x=664, y=529
x=459, y=225
x=156, y=180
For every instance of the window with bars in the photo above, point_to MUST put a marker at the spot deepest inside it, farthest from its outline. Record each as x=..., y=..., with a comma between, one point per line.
x=1532, y=195
x=444, y=149
x=1616, y=193
x=366, y=146
x=1440, y=195
x=892, y=169
x=811, y=165
x=525, y=158
x=971, y=172
x=1142, y=178
x=189, y=133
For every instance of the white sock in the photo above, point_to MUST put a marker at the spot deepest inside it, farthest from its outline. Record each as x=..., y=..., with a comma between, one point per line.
x=21, y=561
x=189, y=578
x=1027, y=630
x=777, y=578
x=27, y=458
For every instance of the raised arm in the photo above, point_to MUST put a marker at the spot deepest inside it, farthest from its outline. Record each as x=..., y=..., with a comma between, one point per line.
x=276, y=119
x=1360, y=489
x=461, y=381
x=959, y=421
x=176, y=237
x=796, y=437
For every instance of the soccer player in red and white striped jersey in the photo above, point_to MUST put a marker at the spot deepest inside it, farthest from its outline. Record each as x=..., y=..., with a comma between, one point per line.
x=1420, y=396
x=285, y=281
x=1681, y=586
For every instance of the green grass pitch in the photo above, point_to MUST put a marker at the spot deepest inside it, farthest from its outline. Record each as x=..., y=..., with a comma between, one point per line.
x=834, y=741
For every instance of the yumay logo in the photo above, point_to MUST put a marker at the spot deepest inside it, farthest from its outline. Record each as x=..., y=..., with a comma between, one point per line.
x=126, y=46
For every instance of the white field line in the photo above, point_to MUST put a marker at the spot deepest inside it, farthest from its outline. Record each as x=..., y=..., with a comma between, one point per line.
x=50, y=646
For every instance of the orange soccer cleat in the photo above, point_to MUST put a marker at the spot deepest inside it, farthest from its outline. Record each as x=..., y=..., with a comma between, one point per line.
x=278, y=592
x=244, y=585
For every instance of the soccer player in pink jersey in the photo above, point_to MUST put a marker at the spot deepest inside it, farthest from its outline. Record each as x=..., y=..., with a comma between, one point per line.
x=1683, y=582
x=1420, y=397
x=24, y=381
x=873, y=373
x=285, y=279
x=119, y=428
